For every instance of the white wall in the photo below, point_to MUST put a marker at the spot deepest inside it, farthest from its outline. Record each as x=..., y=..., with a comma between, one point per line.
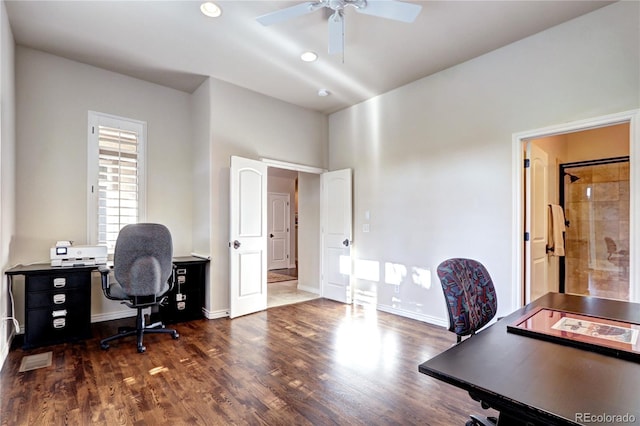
x=251, y=125
x=53, y=97
x=308, y=232
x=432, y=159
x=7, y=173
x=201, y=179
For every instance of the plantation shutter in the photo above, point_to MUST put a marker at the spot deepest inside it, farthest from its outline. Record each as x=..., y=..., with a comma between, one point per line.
x=118, y=181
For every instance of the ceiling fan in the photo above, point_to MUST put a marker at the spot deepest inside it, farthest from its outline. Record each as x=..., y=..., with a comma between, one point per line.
x=390, y=9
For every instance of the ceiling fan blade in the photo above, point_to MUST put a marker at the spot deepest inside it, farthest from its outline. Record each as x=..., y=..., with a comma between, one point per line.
x=336, y=33
x=390, y=9
x=289, y=13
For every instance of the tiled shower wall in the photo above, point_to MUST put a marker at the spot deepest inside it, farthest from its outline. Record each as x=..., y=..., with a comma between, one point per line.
x=596, y=206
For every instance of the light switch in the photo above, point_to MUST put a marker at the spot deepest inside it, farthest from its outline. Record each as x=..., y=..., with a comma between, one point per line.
x=365, y=227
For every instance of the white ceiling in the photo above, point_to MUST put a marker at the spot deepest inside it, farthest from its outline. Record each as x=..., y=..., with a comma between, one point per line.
x=173, y=44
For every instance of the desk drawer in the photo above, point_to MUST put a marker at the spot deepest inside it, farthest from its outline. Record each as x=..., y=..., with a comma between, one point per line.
x=56, y=299
x=186, y=299
x=57, y=281
x=43, y=328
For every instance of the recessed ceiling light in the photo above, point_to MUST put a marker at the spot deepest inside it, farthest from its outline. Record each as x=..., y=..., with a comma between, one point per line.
x=210, y=9
x=323, y=92
x=309, y=56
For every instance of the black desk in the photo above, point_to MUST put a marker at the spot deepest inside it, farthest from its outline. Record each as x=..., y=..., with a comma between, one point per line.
x=58, y=299
x=528, y=379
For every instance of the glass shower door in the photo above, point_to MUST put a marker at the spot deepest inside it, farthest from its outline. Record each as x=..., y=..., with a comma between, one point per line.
x=596, y=205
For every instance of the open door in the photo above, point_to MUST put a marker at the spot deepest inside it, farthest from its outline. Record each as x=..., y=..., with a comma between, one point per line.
x=336, y=223
x=537, y=223
x=248, y=237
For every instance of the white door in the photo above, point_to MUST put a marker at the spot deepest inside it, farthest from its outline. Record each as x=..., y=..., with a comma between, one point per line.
x=336, y=213
x=278, y=242
x=536, y=271
x=248, y=237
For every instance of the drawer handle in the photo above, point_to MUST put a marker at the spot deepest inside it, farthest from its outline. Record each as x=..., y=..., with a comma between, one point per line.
x=59, y=313
x=59, y=282
x=59, y=323
x=59, y=299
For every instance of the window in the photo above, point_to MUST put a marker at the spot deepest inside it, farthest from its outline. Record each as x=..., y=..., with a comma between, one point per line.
x=116, y=176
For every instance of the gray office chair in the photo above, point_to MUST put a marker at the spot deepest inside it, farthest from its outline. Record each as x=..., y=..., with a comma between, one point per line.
x=143, y=270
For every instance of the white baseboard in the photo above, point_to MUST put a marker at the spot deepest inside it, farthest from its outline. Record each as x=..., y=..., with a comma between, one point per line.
x=442, y=322
x=215, y=314
x=128, y=313
x=4, y=352
x=132, y=313
x=313, y=290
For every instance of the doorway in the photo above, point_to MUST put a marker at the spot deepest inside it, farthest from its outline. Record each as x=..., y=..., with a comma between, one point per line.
x=279, y=230
x=282, y=273
x=325, y=210
x=580, y=133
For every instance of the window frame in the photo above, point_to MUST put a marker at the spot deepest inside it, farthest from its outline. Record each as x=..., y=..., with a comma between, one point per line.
x=96, y=119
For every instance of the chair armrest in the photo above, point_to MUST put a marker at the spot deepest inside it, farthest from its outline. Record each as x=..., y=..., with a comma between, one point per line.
x=172, y=278
x=104, y=278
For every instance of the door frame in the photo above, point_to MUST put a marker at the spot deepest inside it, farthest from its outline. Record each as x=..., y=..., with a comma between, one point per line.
x=518, y=210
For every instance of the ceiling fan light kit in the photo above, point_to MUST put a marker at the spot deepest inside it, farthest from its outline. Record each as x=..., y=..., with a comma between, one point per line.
x=390, y=9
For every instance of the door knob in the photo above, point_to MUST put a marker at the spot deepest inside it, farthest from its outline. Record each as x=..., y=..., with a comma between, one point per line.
x=345, y=242
x=236, y=244
x=271, y=235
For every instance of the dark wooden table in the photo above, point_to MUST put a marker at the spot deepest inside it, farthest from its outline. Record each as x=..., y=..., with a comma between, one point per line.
x=531, y=380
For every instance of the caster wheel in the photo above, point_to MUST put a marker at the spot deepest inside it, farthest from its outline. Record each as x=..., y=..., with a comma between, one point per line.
x=104, y=346
x=175, y=335
x=141, y=349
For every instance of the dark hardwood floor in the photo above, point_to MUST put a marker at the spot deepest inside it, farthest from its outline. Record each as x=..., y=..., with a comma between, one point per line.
x=312, y=363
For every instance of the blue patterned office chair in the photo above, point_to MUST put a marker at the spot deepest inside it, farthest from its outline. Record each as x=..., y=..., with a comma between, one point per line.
x=471, y=304
x=143, y=270
x=470, y=295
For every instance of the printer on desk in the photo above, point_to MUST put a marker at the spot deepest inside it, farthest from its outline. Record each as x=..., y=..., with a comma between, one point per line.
x=66, y=254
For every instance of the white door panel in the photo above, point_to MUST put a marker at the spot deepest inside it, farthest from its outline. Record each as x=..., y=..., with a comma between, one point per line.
x=538, y=183
x=336, y=235
x=247, y=246
x=279, y=230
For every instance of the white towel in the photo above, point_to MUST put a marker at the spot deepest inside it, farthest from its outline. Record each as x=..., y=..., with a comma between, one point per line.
x=556, y=228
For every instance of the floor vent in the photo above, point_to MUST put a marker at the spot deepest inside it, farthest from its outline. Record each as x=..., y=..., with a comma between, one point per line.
x=33, y=362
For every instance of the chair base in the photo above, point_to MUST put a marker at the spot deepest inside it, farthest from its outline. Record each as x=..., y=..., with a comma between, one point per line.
x=140, y=330
x=481, y=421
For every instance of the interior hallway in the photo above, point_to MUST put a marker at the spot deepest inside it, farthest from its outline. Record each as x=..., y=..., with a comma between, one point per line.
x=282, y=288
